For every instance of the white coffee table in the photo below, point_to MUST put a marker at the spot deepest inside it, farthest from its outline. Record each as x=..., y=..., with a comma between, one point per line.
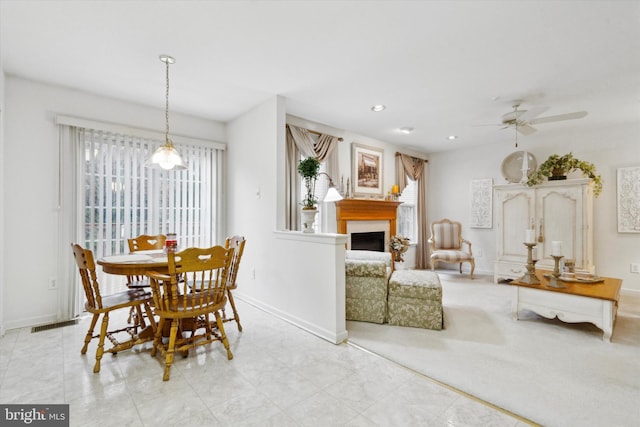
x=595, y=303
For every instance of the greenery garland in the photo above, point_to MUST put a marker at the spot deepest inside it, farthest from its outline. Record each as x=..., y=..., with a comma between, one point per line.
x=566, y=164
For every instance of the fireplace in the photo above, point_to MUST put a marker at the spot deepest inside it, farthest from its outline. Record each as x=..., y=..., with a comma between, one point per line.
x=370, y=241
x=362, y=216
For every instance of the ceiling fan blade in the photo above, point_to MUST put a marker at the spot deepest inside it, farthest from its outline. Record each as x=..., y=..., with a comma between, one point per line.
x=525, y=129
x=559, y=118
x=532, y=113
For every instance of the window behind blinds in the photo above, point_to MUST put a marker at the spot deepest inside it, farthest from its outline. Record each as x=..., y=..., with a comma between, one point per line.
x=123, y=198
x=407, y=212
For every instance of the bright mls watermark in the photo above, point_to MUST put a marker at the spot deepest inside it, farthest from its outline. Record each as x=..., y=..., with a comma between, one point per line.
x=34, y=415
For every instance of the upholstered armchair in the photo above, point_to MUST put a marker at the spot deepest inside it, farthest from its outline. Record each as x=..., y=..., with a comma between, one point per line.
x=446, y=245
x=367, y=277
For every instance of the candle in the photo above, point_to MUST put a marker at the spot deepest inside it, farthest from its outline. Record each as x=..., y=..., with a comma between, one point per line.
x=530, y=236
x=395, y=189
x=556, y=248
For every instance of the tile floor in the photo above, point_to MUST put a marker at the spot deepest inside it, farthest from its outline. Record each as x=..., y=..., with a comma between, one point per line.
x=280, y=376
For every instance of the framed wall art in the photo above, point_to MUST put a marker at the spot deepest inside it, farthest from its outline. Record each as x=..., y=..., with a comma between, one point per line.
x=628, y=199
x=482, y=203
x=366, y=170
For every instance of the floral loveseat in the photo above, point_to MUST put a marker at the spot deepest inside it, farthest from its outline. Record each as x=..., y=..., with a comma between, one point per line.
x=367, y=277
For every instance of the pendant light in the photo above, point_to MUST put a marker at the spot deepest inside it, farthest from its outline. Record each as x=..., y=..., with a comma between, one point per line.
x=166, y=157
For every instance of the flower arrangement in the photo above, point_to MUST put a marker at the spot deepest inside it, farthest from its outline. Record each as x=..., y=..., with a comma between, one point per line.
x=557, y=165
x=398, y=245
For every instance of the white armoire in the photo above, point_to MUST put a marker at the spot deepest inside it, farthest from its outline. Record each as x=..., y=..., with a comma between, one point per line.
x=557, y=210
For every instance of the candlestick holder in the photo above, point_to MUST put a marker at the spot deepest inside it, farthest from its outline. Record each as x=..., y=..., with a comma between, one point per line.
x=553, y=279
x=530, y=277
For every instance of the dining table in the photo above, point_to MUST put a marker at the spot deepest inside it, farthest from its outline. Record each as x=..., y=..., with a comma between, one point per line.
x=135, y=263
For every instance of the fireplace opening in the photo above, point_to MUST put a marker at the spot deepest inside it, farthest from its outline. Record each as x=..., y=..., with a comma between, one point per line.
x=370, y=241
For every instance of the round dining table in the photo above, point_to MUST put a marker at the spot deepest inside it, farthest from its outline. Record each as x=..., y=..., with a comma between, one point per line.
x=136, y=263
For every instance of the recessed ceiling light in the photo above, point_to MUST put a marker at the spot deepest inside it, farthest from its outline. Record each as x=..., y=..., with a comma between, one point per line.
x=406, y=130
x=452, y=137
x=378, y=108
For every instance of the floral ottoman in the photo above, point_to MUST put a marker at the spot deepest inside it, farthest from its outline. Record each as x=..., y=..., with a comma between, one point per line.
x=415, y=299
x=366, y=290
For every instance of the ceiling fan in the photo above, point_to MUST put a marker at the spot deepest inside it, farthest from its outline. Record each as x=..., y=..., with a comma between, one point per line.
x=523, y=120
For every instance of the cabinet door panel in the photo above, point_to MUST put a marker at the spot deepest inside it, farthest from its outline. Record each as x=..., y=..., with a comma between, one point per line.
x=561, y=211
x=516, y=208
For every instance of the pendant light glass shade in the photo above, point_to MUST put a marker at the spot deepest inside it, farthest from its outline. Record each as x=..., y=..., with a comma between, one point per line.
x=166, y=157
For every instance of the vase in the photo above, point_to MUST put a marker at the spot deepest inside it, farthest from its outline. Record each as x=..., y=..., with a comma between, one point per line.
x=398, y=265
x=558, y=175
x=308, y=218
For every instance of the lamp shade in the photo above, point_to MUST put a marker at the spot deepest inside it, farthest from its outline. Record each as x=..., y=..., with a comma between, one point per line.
x=332, y=195
x=166, y=157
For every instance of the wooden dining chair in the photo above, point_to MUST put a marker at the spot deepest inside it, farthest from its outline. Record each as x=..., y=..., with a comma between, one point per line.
x=145, y=242
x=98, y=305
x=237, y=244
x=188, y=305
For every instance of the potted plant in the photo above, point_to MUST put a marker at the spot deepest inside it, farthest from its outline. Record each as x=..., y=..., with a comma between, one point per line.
x=309, y=170
x=557, y=167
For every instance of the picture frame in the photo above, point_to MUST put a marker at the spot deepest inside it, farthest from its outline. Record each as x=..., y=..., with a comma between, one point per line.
x=482, y=203
x=628, y=199
x=367, y=170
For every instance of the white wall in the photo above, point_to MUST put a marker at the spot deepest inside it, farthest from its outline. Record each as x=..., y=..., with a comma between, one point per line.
x=295, y=276
x=30, y=170
x=2, y=239
x=450, y=174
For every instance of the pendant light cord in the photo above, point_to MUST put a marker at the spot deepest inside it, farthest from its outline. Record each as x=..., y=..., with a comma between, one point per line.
x=166, y=113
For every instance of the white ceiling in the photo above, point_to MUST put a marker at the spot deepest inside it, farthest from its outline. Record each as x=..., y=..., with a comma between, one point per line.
x=440, y=67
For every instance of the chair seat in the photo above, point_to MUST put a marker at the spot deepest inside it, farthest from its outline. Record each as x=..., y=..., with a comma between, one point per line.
x=451, y=255
x=120, y=300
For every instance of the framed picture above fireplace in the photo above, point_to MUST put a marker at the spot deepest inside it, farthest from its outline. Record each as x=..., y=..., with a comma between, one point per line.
x=366, y=170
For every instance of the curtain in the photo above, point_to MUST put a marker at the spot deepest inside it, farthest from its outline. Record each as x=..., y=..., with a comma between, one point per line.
x=70, y=296
x=300, y=143
x=415, y=168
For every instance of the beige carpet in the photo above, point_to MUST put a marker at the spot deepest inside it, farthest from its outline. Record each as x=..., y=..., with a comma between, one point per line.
x=551, y=372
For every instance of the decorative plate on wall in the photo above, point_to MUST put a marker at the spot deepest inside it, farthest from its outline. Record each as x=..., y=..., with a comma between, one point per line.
x=514, y=163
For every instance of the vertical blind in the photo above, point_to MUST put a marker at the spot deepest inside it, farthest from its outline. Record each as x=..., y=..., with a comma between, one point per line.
x=123, y=198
